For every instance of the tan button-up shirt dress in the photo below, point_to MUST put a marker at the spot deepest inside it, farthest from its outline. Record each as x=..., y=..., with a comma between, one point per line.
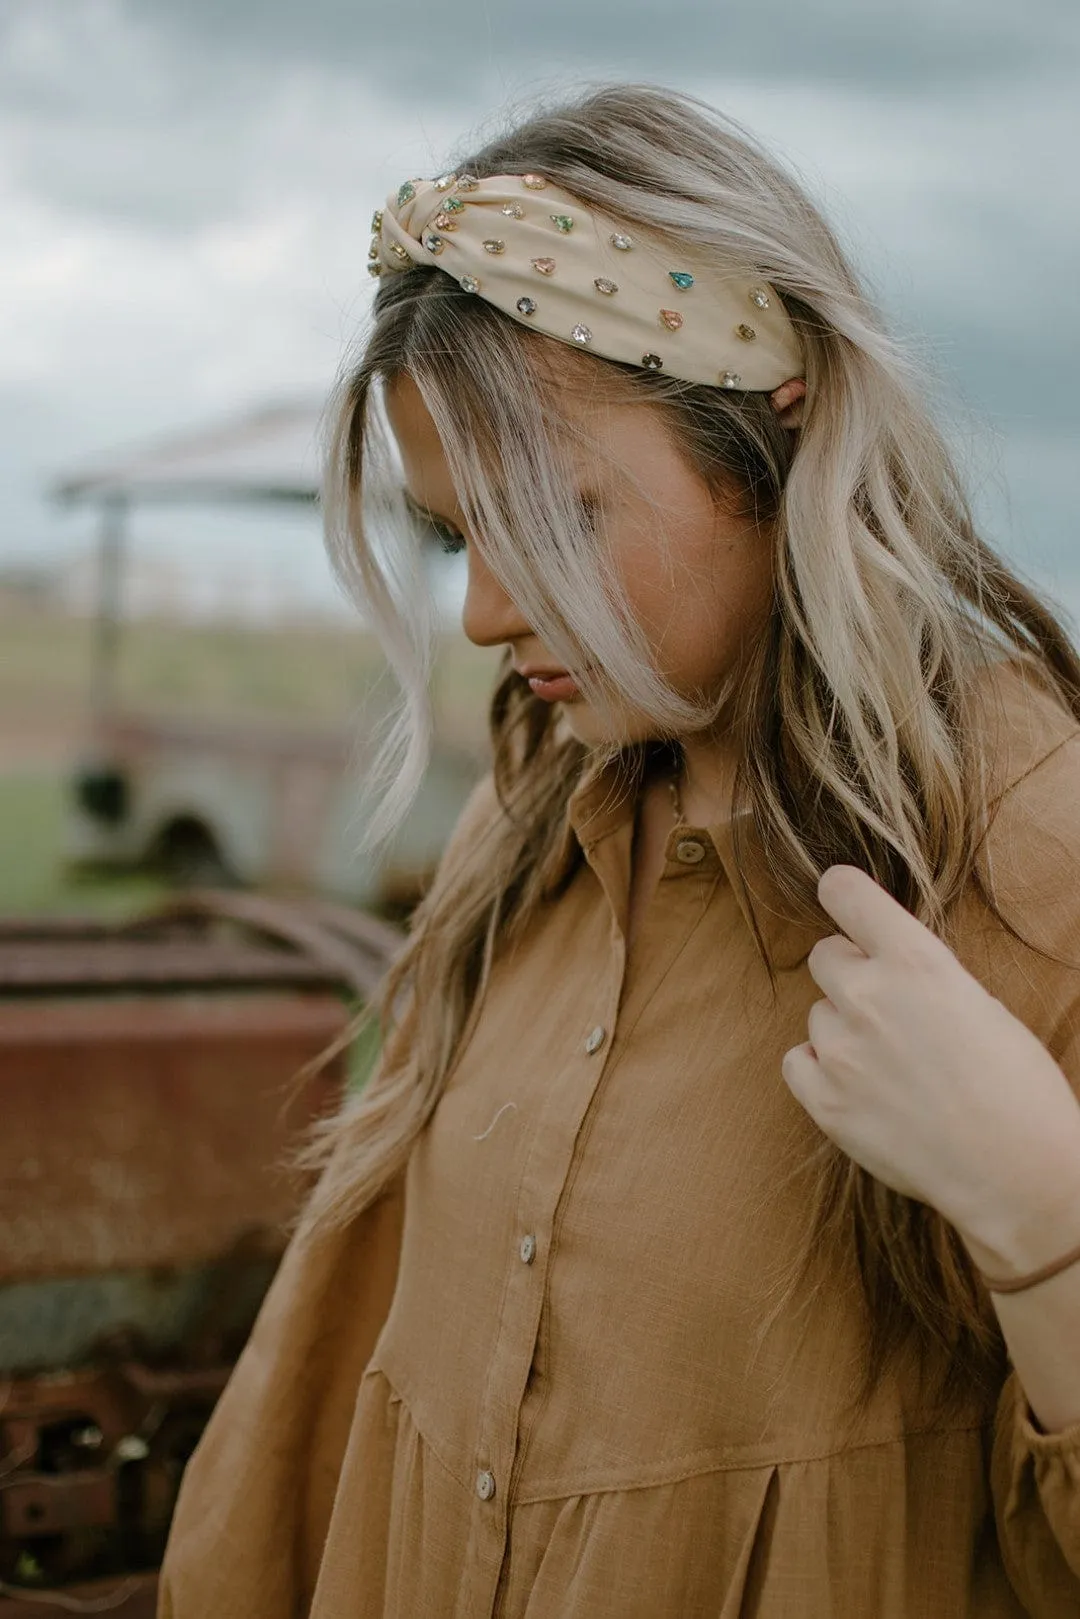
x=544, y=1377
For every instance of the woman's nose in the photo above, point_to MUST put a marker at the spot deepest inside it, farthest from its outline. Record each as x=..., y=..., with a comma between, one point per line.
x=488, y=614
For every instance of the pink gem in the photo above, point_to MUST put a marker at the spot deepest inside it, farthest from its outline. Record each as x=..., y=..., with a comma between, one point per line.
x=545, y=266
x=671, y=319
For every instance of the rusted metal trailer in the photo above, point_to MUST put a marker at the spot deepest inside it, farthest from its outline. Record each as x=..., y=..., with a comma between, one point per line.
x=153, y=1075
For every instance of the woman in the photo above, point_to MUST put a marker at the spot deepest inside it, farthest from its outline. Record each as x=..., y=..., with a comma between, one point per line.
x=704, y=1242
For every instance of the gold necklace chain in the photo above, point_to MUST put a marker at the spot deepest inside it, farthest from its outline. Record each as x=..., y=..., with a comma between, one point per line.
x=673, y=785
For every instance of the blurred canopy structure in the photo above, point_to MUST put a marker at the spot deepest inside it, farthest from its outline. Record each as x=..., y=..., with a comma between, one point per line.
x=269, y=455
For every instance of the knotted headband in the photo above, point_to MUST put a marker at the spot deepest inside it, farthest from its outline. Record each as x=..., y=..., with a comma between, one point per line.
x=552, y=262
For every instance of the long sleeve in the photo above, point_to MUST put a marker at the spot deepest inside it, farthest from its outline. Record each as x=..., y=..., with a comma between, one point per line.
x=1033, y=854
x=1035, y=1479
x=256, y=1497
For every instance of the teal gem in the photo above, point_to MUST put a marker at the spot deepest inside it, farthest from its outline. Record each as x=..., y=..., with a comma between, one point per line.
x=681, y=278
x=563, y=221
x=406, y=192
x=453, y=205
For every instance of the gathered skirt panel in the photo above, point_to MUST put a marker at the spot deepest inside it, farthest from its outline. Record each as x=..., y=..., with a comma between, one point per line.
x=901, y=1530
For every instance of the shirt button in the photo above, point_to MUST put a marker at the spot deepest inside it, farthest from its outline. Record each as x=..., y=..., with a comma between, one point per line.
x=596, y=1037
x=528, y=1249
x=690, y=852
x=485, y=1485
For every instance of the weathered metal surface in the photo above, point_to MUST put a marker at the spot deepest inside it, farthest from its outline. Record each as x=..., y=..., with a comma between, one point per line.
x=151, y=1134
x=151, y=1087
x=133, y=1596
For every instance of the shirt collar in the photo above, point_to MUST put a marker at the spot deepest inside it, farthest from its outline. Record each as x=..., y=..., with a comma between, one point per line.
x=604, y=800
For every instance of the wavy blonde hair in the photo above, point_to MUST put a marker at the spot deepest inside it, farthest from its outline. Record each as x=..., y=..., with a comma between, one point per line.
x=851, y=716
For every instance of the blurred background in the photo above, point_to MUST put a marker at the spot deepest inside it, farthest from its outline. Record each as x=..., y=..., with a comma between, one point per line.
x=186, y=193
x=187, y=703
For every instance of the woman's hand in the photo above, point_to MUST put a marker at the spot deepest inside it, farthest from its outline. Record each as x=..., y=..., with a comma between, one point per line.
x=930, y=1083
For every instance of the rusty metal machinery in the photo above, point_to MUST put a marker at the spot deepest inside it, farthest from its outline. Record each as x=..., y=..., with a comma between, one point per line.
x=150, y=1094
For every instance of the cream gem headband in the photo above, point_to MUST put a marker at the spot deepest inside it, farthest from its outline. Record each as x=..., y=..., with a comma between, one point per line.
x=545, y=258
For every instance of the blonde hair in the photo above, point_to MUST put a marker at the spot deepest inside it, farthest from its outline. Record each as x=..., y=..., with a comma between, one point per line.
x=851, y=717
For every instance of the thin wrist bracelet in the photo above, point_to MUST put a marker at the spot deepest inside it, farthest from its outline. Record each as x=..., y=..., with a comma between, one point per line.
x=1017, y=1284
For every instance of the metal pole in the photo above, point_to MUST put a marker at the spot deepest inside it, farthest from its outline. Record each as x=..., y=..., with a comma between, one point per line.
x=111, y=548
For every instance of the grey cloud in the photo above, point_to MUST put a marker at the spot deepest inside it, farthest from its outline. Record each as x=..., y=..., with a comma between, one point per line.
x=434, y=45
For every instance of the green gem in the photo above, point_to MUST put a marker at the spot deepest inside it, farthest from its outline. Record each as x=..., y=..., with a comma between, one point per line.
x=453, y=205
x=406, y=192
x=681, y=278
x=563, y=221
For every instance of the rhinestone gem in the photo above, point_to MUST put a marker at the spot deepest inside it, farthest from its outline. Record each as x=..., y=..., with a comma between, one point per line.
x=651, y=362
x=512, y=210
x=453, y=205
x=467, y=182
x=620, y=240
x=373, y=251
x=398, y=251
x=376, y=219
x=602, y=284
x=493, y=244
x=374, y=267
x=563, y=221
x=747, y=333
x=533, y=182
x=759, y=296
x=681, y=278
x=671, y=319
x=444, y=222
x=526, y=306
x=433, y=242
x=469, y=283
x=444, y=182
x=545, y=266
x=730, y=379
x=406, y=192
x=581, y=334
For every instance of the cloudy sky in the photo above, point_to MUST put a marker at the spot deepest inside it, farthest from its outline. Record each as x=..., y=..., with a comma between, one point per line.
x=186, y=188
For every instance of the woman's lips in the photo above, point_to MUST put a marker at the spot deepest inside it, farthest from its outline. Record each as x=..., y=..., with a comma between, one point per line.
x=560, y=688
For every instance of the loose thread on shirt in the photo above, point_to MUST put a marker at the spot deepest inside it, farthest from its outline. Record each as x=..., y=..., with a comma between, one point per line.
x=494, y=1121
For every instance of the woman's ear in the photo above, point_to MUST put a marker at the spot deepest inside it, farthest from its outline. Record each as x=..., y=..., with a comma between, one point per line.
x=787, y=401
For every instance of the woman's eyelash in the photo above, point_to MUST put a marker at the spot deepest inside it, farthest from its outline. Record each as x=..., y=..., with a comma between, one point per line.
x=448, y=538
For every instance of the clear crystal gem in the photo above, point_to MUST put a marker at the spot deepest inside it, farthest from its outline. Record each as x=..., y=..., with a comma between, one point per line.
x=760, y=297
x=374, y=267
x=671, y=319
x=651, y=362
x=444, y=182
x=433, y=242
x=747, y=333
x=526, y=306
x=563, y=221
x=581, y=334
x=494, y=244
x=406, y=192
x=603, y=284
x=512, y=210
x=467, y=182
x=620, y=240
x=681, y=278
x=545, y=266
x=533, y=182
x=730, y=379
x=469, y=283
